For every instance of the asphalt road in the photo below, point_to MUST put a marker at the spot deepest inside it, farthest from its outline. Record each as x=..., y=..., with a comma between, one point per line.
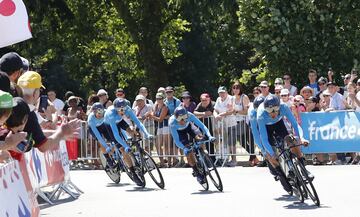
x=247, y=192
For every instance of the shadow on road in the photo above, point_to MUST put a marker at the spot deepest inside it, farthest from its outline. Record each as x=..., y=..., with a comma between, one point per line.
x=140, y=189
x=202, y=192
x=58, y=202
x=297, y=204
x=286, y=198
x=117, y=185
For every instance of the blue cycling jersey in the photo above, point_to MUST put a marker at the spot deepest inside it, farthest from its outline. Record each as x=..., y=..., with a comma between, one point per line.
x=264, y=118
x=175, y=126
x=112, y=118
x=254, y=128
x=93, y=123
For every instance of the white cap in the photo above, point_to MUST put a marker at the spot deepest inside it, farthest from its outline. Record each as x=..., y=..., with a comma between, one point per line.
x=284, y=91
x=101, y=92
x=140, y=97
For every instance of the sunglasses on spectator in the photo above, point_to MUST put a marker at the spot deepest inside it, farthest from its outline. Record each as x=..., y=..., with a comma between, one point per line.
x=278, y=83
x=236, y=88
x=182, y=117
x=273, y=109
x=326, y=95
x=320, y=84
x=286, y=78
x=347, y=78
x=256, y=93
x=277, y=92
x=284, y=95
x=263, y=87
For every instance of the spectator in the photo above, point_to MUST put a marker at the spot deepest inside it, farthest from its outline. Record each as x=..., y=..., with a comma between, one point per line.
x=73, y=110
x=287, y=85
x=8, y=139
x=162, y=90
x=223, y=113
x=278, y=89
x=298, y=107
x=171, y=101
x=306, y=92
x=4, y=82
x=187, y=103
x=322, y=83
x=256, y=92
x=358, y=88
x=352, y=101
x=204, y=110
x=241, y=106
x=144, y=91
x=337, y=101
x=93, y=98
x=104, y=98
x=68, y=94
x=58, y=104
x=264, y=86
x=120, y=93
x=311, y=104
x=279, y=81
x=285, y=97
x=161, y=117
x=312, y=75
x=30, y=83
x=325, y=101
x=12, y=64
x=143, y=112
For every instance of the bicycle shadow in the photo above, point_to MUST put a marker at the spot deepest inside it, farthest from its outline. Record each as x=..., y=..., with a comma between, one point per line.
x=297, y=204
x=110, y=185
x=140, y=189
x=203, y=192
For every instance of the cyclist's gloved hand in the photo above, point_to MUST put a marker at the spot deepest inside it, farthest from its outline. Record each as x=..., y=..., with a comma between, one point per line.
x=127, y=149
x=108, y=149
x=149, y=136
x=187, y=151
x=212, y=139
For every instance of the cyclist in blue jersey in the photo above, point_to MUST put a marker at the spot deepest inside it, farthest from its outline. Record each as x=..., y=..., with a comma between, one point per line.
x=114, y=117
x=100, y=130
x=270, y=121
x=182, y=125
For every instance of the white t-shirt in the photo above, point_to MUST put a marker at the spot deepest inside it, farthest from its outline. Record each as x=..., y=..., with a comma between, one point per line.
x=59, y=105
x=226, y=105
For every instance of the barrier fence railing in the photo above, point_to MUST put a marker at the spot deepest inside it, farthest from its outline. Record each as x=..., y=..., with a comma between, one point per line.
x=232, y=133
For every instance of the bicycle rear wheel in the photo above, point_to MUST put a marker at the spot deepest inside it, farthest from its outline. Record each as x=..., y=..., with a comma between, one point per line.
x=114, y=174
x=153, y=170
x=307, y=183
x=210, y=170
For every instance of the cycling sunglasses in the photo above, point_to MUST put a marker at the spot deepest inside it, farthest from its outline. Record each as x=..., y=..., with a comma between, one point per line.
x=182, y=117
x=121, y=109
x=273, y=109
x=100, y=111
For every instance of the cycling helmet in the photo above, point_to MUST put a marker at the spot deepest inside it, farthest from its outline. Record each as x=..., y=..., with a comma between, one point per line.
x=257, y=101
x=180, y=113
x=271, y=101
x=119, y=103
x=97, y=106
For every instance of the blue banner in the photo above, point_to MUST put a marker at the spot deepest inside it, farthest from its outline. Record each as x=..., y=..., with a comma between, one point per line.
x=331, y=132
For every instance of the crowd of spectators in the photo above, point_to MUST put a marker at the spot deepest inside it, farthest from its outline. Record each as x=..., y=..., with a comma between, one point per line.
x=23, y=116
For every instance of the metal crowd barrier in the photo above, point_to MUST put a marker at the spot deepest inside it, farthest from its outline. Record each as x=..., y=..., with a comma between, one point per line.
x=232, y=133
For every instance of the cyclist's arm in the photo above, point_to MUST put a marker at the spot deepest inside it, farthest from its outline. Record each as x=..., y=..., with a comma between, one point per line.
x=98, y=135
x=264, y=137
x=114, y=129
x=255, y=131
x=137, y=122
x=176, y=138
x=200, y=124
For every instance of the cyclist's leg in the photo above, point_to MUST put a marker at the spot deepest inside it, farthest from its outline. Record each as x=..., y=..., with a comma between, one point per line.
x=104, y=133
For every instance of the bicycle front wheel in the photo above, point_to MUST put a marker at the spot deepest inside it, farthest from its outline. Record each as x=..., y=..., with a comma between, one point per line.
x=114, y=174
x=210, y=170
x=307, y=183
x=139, y=167
x=153, y=170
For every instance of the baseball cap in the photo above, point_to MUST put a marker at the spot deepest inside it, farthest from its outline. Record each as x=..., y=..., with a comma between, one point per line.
x=222, y=89
x=326, y=93
x=322, y=80
x=284, y=91
x=10, y=62
x=264, y=84
x=185, y=94
x=6, y=100
x=331, y=83
x=169, y=89
x=161, y=89
x=160, y=96
x=25, y=64
x=120, y=90
x=30, y=79
x=101, y=92
x=140, y=97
